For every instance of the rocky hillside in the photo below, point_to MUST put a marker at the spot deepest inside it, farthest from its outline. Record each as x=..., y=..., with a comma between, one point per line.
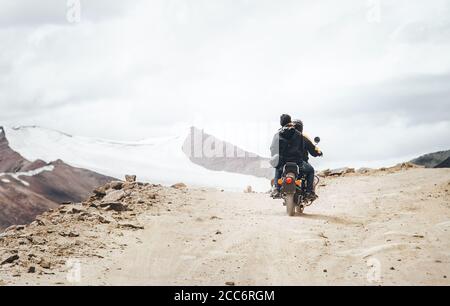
x=83, y=229
x=434, y=160
x=29, y=188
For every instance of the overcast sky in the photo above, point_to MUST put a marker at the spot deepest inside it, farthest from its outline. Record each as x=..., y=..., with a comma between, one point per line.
x=372, y=78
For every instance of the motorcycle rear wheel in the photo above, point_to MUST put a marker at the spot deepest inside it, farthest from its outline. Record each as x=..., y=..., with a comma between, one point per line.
x=290, y=205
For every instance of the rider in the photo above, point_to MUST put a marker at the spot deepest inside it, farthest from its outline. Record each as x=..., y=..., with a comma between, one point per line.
x=308, y=148
x=287, y=146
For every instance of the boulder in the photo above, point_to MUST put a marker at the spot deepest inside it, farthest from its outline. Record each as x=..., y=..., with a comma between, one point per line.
x=114, y=196
x=130, y=178
x=341, y=171
x=179, y=186
x=100, y=192
x=116, y=185
x=45, y=263
x=116, y=206
x=324, y=173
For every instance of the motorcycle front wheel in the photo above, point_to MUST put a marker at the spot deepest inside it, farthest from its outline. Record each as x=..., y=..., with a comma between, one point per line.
x=290, y=204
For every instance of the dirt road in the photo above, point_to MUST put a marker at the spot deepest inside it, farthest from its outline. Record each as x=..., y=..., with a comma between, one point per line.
x=387, y=229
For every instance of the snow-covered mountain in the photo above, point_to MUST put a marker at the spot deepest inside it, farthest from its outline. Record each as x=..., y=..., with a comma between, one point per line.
x=157, y=160
x=30, y=187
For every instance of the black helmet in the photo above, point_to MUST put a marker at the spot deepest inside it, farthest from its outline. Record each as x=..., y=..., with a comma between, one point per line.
x=298, y=124
x=285, y=119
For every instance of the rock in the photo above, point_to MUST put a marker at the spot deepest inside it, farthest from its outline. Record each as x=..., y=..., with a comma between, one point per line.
x=45, y=264
x=116, y=185
x=324, y=173
x=103, y=220
x=129, y=185
x=341, y=171
x=31, y=269
x=179, y=186
x=114, y=196
x=40, y=222
x=130, y=178
x=100, y=192
x=403, y=166
x=364, y=170
x=76, y=210
x=248, y=189
x=130, y=225
x=38, y=240
x=230, y=284
x=10, y=259
x=116, y=206
x=14, y=228
x=69, y=234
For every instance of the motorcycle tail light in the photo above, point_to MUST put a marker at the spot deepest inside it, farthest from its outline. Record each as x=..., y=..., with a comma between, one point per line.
x=298, y=182
x=289, y=180
x=280, y=181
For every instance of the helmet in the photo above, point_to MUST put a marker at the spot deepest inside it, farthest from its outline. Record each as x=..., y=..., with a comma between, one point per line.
x=298, y=124
x=285, y=119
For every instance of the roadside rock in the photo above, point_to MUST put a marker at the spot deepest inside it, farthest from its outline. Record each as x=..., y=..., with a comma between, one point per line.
x=116, y=185
x=364, y=170
x=10, y=259
x=116, y=206
x=341, y=171
x=179, y=186
x=130, y=178
x=100, y=192
x=130, y=225
x=45, y=263
x=69, y=234
x=324, y=173
x=114, y=196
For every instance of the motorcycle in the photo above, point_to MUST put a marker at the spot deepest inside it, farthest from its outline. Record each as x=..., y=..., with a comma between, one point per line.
x=293, y=188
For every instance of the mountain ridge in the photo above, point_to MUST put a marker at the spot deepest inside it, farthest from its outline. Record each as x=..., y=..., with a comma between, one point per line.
x=29, y=188
x=433, y=160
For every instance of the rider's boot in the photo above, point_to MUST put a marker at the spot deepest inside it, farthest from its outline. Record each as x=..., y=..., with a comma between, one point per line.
x=311, y=196
x=276, y=194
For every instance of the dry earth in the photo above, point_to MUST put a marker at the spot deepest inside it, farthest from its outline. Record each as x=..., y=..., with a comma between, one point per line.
x=381, y=228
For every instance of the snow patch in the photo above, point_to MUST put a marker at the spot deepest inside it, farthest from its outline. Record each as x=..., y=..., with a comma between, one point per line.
x=6, y=181
x=30, y=173
x=157, y=160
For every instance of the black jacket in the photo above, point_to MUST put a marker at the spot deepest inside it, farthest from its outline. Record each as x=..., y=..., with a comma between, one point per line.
x=309, y=148
x=288, y=145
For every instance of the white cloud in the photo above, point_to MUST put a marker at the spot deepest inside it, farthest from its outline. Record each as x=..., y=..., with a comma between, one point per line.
x=129, y=69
